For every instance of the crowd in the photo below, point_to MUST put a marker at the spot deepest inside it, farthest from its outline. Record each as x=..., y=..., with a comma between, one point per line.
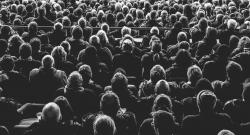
x=75, y=79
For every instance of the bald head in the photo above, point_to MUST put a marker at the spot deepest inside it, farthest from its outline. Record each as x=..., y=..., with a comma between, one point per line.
x=51, y=112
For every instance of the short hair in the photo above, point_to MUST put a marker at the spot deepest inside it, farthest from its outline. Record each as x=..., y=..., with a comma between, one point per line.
x=162, y=87
x=156, y=46
x=119, y=82
x=206, y=101
x=231, y=24
x=47, y=61
x=154, y=30
x=105, y=27
x=41, y=11
x=225, y=132
x=58, y=26
x=246, y=92
x=244, y=42
x=182, y=36
x=183, y=57
x=7, y=63
x=86, y=72
x=234, y=71
x=32, y=27
x=157, y=73
x=51, y=113
x=110, y=103
x=164, y=122
x=82, y=22
x=77, y=32
x=127, y=45
x=65, y=108
x=194, y=73
x=104, y=125
x=74, y=80
x=95, y=41
x=25, y=50
x=4, y=130
x=125, y=30
x=203, y=84
x=35, y=44
x=103, y=37
x=59, y=54
x=162, y=102
x=66, y=46
x=203, y=23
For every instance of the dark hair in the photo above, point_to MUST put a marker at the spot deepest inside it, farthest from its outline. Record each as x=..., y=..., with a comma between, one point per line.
x=110, y=103
x=183, y=58
x=35, y=44
x=7, y=63
x=203, y=84
x=65, y=107
x=3, y=47
x=25, y=50
x=234, y=72
x=206, y=101
x=77, y=32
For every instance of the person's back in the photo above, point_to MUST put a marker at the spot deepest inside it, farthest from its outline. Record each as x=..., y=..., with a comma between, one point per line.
x=46, y=80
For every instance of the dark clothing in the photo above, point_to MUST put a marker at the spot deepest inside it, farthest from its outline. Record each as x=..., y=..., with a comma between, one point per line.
x=76, y=46
x=206, y=124
x=238, y=110
x=15, y=86
x=65, y=66
x=82, y=100
x=24, y=66
x=129, y=62
x=224, y=35
x=45, y=82
x=43, y=21
x=242, y=59
x=56, y=37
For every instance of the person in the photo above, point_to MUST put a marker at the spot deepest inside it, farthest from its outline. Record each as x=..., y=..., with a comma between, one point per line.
x=83, y=100
x=225, y=132
x=42, y=20
x=208, y=121
x=57, y=35
x=13, y=83
x=37, y=53
x=50, y=122
x=26, y=63
x=127, y=60
x=4, y=130
x=44, y=81
x=104, y=125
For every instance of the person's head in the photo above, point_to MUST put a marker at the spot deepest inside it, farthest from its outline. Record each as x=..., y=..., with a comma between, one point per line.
x=225, y=132
x=154, y=31
x=162, y=102
x=110, y=103
x=66, y=46
x=246, y=92
x=35, y=44
x=127, y=45
x=41, y=11
x=77, y=32
x=203, y=84
x=86, y=72
x=3, y=47
x=182, y=36
x=82, y=22
x=211, y=33
x=156, y=46
x=233, y=42
x=51, y=113
x=162, y=87
x=157, y=73
x=58, y=26
x=65, y=107
x=194, y=73
x=47, y=61
x=7, y=63
x=234, y=71
x=25, y=50
x=95, y=41
x=103, y=37
x=231, y=24
x=105, y=27
x=59, y=54
x=4, y=130
x=244, y=42
x=206, y=101
x=183, y=58
x=203, y=24
x=32, y=28
x=119, y=83
x=74, y=80
x=125, y=30
x=6, y=30
x=104, y=125
x=164, y=123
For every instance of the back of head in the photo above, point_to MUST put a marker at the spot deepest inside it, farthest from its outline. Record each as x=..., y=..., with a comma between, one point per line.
x=244, y=42
x=234, y=71
x=194, y=73
x=164, y=122
x=203, y=84
x=77, y=32
x=203, y=24
x=86, y=72
x=162, y=87
x=157, y=73
x=41, y=11
x=162, y=102
x=119, y=83
x=58, y=26
x=183, y=58
x=156, y=46
x=32, y=28
x=7, y=63
x=4, y=130
x=47, y=61
x=104, y=125
x=74, y=80
x=206, y=101
x=35, y=44
x=3, y=46
x=25, y=50
x=110, y=103
x=51, y=113
x=127, y=45
x=65, y=107
x=182, y=36
x=231, y=24
x=226, y=132
x=59, y=54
